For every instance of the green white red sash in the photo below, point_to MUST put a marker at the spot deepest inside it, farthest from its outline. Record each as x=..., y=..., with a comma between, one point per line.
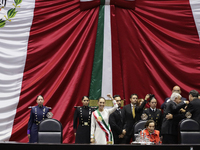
x=103, y=126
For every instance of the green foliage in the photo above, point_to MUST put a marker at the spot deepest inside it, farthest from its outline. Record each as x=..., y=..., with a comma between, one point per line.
x=17, y=2
x=2, y=23
x=11, y=13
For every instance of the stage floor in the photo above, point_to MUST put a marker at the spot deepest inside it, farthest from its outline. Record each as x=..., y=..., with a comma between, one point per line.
x=27, y=146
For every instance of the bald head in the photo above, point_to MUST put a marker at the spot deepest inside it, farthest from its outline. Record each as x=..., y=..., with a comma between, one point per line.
x=176, y=89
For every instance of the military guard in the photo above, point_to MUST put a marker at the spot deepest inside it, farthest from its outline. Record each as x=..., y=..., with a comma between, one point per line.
x=38, y=113
x=153, y=113
x=83, y=114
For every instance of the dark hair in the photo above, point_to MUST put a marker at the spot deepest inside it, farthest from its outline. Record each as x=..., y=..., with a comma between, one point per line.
x=116, y=96
x=100, y=98
x=151, y=97
x=194, y=93
x=39, y=96
x=85, y=97
x=133, y=95
x=148, y=122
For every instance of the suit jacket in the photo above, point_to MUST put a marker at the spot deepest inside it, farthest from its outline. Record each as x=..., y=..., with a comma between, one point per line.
x=163, y=105
x=128, y=120
x=171, y=126
x=194, y=109
x=116, y=124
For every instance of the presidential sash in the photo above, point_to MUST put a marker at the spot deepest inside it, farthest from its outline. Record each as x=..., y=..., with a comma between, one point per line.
x=103, y=126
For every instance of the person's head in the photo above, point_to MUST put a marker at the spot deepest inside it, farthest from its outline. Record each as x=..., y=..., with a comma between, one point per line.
x=139, y=102
x=134, y=98
x=40, y=100
x=176, y=97
x=193, y=94
x=85, y=101
x=153, y=102
x=176, y=89
x=101, y=103
x=150, y=126
x=118, y=100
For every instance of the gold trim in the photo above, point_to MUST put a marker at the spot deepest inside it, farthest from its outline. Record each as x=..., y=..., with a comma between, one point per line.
x=93, y=103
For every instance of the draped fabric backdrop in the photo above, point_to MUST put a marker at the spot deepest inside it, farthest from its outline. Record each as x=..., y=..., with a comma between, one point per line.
x=47, y=48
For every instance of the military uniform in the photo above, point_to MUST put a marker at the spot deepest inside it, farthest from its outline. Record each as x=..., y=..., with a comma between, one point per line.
x=83, y=131
x=36, y=116
x=154, y=115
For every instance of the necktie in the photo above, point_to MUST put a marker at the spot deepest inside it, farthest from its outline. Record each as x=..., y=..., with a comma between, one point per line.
x=133, y=111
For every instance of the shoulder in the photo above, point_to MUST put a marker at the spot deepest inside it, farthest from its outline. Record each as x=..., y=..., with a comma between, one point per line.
x=45, y=107
x=34, y=107
x=126, y=106
x=157, y=132
x=167, y=98
x=159, y=110
x=183, y=98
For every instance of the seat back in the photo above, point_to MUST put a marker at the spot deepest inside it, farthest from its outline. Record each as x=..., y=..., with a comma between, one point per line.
x=189, y=132
x=50, y=131
x=189, y=125
x=139, y=126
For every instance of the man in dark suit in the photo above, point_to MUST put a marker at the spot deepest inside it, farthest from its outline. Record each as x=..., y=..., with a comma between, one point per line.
x=116, y=122
x=172, y=116
x=194, y=106
x=131, y=114
x=176, y=89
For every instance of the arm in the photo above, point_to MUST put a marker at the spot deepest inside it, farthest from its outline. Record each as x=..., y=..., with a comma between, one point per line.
x=114, y=103
x=124, y=117
x=141, y=107
x=190, y=108
x=93, y=127
x=177, y=107
x=76, y=114
x=110, y=111
x=30, y=123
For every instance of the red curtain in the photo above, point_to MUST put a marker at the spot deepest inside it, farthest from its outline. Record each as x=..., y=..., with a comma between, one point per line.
x=156, y=46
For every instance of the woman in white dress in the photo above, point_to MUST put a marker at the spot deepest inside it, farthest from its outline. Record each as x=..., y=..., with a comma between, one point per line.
x=100, y=128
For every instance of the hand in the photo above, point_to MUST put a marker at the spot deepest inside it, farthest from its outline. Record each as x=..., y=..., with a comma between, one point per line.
x=110, y=96
x=169, y=116
x=147, y=96
x=74, y=134
x=123, y=131
x=187, y=102
x=92, y=140
x=182, y=110
x=29, y=136
x=121, y=135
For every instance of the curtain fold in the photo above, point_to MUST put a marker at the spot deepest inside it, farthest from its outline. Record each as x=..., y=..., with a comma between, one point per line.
x=154, y=47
